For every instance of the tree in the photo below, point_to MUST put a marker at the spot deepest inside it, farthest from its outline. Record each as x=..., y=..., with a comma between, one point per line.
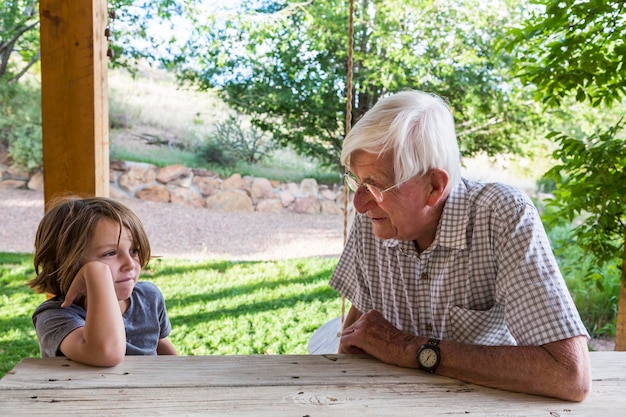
x=284, y=63
x=18, y=22
x=132, y=20
x=576, y=49
x=20, y=114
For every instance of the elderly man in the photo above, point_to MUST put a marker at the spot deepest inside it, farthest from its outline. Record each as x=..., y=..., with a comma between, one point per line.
x=452, y=276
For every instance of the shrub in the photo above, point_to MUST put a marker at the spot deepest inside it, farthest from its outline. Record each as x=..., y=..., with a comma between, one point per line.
x=247, y=144
x=20, y=123
x=594, y=287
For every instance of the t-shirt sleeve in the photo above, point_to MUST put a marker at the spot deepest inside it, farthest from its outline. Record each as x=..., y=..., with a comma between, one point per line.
x=53, y=323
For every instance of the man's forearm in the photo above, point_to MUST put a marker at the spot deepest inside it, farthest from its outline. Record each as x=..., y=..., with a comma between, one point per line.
x=560, y=369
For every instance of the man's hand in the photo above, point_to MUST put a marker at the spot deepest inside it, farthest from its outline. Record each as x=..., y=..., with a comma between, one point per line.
x=374, y=335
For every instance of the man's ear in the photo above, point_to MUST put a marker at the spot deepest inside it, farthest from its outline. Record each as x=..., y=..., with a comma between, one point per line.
x=438, y=183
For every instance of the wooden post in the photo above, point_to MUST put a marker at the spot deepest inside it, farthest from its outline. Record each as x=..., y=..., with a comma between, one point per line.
x=74, y=97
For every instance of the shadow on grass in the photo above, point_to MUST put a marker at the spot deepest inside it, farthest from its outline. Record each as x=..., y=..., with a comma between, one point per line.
x=195, y=318
x=233, y=291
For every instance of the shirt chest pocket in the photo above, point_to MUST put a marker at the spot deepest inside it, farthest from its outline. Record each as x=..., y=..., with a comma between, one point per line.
x=479, y=327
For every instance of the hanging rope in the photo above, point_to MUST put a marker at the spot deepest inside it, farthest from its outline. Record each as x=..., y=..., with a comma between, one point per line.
x=346, y=190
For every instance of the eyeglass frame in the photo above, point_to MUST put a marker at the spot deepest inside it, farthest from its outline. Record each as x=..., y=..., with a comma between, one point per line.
x=353, y=184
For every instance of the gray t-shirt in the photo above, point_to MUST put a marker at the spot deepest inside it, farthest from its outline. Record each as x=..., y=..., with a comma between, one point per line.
x=145, y=322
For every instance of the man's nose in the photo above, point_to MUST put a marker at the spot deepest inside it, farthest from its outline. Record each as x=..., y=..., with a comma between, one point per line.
x=363, y=200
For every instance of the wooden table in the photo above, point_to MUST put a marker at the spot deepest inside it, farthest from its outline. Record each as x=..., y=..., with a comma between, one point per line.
x=282, y=385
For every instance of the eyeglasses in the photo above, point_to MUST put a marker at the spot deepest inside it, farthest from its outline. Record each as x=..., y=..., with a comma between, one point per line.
x=353, y=184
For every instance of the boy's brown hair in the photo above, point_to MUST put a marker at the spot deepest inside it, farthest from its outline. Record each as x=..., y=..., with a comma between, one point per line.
x=64, y=234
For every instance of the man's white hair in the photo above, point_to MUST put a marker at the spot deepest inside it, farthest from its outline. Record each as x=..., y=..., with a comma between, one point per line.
x=416, y=127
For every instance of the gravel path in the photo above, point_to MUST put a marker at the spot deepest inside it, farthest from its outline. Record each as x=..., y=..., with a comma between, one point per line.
x=183, y=232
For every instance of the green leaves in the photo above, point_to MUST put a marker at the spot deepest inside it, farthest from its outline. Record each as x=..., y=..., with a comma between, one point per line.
x=574, y=47
x=591, y=190
x=285, y=65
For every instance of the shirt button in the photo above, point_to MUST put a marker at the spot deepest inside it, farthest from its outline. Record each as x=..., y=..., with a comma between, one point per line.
x=429, y=328
x=424, y=276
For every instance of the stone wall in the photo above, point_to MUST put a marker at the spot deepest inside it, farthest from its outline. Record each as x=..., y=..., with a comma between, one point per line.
x=178, y=184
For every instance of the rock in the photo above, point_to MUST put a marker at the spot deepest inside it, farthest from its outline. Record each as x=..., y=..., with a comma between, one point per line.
x=36, y=181
x=234, y=182
x=328, y=194
x=158, y=193
x=117, y=165
x=269, y=206
x=261, y=188
x=175, y=175
x=12, y=184
x=308, y=186
x=330, y=207
x=286, y=198
x=199, y=188
x=207, y=186
x=185, y=197
x=293, y=188
x=137, y=176
x=19, y=173
x=231, y=200
x=307, y=205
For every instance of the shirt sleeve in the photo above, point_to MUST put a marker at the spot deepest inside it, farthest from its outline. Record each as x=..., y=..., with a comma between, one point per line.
x=539, y=307
x=349, y=278
x=53, y=323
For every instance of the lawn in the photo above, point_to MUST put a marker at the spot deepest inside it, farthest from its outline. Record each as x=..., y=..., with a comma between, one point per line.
x=216, y=307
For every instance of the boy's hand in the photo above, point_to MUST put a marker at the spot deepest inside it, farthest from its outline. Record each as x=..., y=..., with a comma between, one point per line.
x=78, y=288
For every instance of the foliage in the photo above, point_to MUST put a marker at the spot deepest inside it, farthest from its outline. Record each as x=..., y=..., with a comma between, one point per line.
x=571, y=46
x=130, y=21
x=214, y=153
x=284, y=63
x=586, y=167
x=18, y=21
x=20, y=123
x=593, y=287
x=577, y=48
x=572, y=49
x=145, y=29
x=216, y=307
x=250, y=145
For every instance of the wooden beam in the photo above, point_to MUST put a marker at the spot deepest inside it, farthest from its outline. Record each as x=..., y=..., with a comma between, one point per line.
x=74, y=97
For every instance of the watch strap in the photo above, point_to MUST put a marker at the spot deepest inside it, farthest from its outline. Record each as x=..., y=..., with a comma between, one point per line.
x=433, y=342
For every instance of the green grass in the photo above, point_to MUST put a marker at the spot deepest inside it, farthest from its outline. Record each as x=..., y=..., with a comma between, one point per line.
x=159, y=156
x=216, y=307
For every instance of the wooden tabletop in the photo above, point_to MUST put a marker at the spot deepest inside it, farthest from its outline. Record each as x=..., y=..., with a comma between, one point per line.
x=282, y=385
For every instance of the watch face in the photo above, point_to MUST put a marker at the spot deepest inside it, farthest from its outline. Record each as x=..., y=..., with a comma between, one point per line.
x=428, y=357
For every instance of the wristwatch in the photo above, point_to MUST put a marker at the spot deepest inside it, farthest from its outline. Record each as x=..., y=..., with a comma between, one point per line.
x=428, y=356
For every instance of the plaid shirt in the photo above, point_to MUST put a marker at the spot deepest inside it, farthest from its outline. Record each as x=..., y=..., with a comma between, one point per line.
x=489, y=277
